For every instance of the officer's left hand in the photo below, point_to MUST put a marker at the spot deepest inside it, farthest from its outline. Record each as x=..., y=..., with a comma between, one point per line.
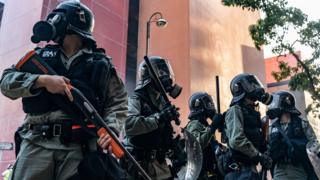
x=265, y=161
x=104, y=142
x=217, y=122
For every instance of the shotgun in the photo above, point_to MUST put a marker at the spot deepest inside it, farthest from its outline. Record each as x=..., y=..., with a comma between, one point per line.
x=32, y=63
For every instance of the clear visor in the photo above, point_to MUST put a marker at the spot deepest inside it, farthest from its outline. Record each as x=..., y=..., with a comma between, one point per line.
x=251, y=83
x=208, y=103
x=164, y=69
x=275, y=102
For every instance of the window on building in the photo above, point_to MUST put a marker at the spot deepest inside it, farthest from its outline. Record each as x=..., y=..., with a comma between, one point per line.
x=1, y=10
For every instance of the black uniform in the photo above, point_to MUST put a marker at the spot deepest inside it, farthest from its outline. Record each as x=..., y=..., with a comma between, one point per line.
x=288, y=140
x=148, y=127
x=201, y=108
x=244, y=128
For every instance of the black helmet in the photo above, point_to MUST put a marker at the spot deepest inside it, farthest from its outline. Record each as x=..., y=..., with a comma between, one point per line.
x=201, y=104
x=68, y=17
x=79, y=16
x=248, y=85
x=283, y=101
x=164, y=71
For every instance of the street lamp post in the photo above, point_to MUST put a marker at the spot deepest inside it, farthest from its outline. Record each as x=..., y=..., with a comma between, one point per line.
x=160, y=22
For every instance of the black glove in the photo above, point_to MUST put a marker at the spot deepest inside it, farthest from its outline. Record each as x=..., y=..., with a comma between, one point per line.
x=169, y=113
x=265, y=160
x=217, y=122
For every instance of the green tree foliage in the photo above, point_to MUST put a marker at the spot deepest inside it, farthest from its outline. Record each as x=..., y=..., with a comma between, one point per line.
x=273, y=28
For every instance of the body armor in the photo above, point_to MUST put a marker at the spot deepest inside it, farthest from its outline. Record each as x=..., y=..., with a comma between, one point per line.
x=160, y=138
x=85, y=74
x=252, y=127
x=280, y=150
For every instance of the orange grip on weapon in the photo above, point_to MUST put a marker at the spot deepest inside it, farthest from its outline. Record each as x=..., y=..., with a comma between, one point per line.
x=117, y=151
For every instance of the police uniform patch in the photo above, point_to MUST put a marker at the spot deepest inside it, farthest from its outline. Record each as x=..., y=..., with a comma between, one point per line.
x=49, y=54
x=274, y=130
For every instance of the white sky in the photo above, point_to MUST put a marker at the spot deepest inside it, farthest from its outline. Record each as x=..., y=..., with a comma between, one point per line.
x=309, y=7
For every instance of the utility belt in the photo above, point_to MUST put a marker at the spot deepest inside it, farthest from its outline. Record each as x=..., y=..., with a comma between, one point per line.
x=150, y=155
x=66, y=131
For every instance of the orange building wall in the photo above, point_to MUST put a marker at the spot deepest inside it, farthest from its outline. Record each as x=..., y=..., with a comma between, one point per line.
x=171, y=42
x=16, y=29
x=272, y=64
x=220, y=45
x=202, y=39
x=110, y=31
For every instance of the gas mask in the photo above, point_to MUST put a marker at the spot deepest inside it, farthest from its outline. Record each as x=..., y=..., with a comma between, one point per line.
x=274, y=113
x=54, y=28
x=283, y=101
x=173, y=90
x=209, y=106
x=260, y=95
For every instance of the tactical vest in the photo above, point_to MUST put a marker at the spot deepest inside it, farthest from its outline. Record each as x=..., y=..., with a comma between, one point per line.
x=86, y=74
x=252, y=128
x=279, y=148
x=160, y=138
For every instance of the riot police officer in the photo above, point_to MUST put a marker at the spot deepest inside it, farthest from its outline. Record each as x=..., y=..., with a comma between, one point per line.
x=201, y=109
x=289, y=135
x=148, y=127
x=244, y=128
x=52, y=140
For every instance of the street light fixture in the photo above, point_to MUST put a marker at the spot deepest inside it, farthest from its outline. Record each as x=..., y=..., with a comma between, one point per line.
x=160, y=22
